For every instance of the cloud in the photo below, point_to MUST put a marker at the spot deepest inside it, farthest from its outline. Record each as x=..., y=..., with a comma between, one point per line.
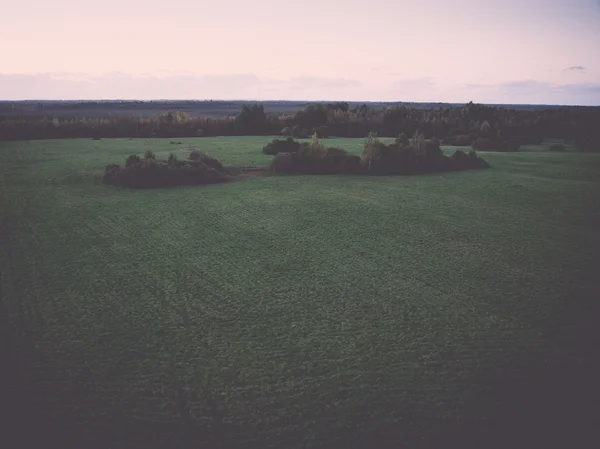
x=576, y=68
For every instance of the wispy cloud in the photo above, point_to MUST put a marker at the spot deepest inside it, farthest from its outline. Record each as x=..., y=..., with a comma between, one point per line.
x=576, y=68
x=531, y=91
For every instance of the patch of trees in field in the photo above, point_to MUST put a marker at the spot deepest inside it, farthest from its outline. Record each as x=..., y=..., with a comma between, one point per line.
x=149, y=172
x=405, y=156
x=480, y=126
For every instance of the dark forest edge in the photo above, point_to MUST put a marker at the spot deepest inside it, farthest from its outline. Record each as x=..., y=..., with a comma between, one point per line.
x=483, y=127
x=403, y=157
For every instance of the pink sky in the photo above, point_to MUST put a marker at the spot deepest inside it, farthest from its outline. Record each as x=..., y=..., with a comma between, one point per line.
x=509, y=51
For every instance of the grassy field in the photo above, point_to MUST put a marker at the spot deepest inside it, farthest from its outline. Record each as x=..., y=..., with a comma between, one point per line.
x=419, y=311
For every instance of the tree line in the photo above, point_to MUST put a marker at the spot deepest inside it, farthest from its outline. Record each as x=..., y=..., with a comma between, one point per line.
x=577, y=124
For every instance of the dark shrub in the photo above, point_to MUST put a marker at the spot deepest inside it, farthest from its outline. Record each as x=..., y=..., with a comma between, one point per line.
x=314, y=159
x=304, y=134
x=199, y=156
x=277, y=146
x=150, y=173
x=465, y=161
x=322, y=132
x=557, y=147
x=476, y=161
x=172, y=160
x=133, y=159
x=283, y=163
x=149, y=155
x=296, y=131
x=402, y=140
x=174, y=142
x=287, y=131
x=96, y=138
x=110, y=167
x=421, y=156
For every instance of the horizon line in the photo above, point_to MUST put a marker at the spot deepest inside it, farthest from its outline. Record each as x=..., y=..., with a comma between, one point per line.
x=107, y=100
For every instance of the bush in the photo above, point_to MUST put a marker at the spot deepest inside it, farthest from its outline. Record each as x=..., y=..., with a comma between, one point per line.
x=420, y=156
x=287, y=131
x=277, y=146
x=557, y=147
x=150, y=173
x=199, y=156
x=283, y=163
x=149, y=155
x=465, y=161
x=300, y=133
x=96, y=138
x=133, y=159
x=322, y=132
x=314, y=159
x=402, y=140
x=172, y=160
x=111, y=167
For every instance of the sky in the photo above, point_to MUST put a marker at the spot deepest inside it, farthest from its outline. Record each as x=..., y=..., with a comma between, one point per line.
x=487, y=51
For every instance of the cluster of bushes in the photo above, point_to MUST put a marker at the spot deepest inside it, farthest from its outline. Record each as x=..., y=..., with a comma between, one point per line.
x=288, y=145
x=557, y=147
x=315, y=159
x=414, y=156
x=149, y=172
x=405, y=156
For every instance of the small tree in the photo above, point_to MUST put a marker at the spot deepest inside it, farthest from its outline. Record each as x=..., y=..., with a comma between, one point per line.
x=315, y=147
x=172, y=160
x=149, y=155
x=372, y=150
x=402, y=140
x=133, y=159
x=486, y=129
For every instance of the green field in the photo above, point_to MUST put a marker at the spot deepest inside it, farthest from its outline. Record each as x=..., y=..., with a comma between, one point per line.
x=331, y=311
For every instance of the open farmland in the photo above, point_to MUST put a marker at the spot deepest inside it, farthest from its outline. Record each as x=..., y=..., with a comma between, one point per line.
x=300, y=311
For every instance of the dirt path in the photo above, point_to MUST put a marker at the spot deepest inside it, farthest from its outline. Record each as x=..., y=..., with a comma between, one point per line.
x=247, y=172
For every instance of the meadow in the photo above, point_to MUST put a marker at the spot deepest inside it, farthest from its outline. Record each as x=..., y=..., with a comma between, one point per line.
x=302, y=311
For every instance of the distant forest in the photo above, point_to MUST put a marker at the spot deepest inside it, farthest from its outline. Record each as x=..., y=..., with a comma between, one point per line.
x=519, y=124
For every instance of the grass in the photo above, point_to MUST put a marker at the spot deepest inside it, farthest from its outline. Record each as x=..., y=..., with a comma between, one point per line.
x=420, y=311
